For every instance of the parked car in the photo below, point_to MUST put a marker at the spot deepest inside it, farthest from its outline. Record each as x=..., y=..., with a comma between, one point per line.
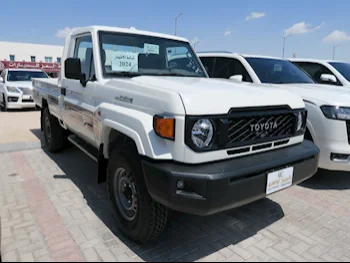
x=164, y=134
x=328, y=124
x=16, y=88
x=325, y=71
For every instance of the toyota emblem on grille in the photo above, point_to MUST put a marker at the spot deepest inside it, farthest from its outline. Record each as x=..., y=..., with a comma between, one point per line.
x=263, y=127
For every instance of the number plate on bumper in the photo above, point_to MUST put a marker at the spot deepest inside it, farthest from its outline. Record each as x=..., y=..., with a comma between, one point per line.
x=279, y=180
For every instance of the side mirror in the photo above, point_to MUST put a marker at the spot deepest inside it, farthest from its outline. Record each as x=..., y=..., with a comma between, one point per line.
x=237, y=78
x=72, y=70
x=2, y=80
x=328, y=78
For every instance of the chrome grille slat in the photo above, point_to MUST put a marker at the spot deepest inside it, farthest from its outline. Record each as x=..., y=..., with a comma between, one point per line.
x=239, y=130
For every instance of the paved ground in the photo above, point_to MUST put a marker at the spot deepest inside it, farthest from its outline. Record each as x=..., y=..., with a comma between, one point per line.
x=52, y=209
x=19, y=130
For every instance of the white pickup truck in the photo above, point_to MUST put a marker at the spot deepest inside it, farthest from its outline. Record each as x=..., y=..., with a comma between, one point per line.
x=165, y=135
x=328, y=123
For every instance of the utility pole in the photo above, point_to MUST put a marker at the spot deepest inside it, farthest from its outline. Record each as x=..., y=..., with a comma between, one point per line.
x=284, y=43
x=176, y=22
x=334, y=47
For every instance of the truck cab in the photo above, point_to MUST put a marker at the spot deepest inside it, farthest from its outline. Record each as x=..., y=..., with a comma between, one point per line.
x=164, y=135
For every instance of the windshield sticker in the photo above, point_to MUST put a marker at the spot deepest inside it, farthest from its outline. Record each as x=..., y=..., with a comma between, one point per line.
x=277, y=67
x=125, y=61
x=151, y=49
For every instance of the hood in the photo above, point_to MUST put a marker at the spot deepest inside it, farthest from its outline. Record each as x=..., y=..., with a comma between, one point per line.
x=320, y=94
x=218, y=96
x=20, y=84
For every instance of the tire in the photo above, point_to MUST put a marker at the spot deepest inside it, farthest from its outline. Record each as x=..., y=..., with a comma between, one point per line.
x=53, y=132
x=146, y=219
x=3, y=106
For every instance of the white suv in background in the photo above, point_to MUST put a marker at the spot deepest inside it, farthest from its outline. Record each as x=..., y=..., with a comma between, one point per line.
x=328, y=123
x=325, y=71
x=16, y=88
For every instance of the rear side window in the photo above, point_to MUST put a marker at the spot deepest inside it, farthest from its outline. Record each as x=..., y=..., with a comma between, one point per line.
x=315, y=70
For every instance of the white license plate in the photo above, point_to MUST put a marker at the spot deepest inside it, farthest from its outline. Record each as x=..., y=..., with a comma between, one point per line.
x=279, y=180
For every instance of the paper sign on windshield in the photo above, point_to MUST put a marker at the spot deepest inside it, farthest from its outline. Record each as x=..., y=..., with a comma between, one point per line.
x=151, y=49
x=125, y=61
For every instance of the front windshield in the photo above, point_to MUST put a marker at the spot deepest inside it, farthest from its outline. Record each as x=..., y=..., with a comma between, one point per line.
x=25, y=75
x=276, y=71
x=343, y=68
x=135, y=55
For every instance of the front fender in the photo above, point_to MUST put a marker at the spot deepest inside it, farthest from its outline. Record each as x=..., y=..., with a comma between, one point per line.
x=138, y=126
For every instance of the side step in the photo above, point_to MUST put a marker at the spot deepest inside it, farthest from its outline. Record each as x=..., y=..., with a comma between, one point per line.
x=84, y=147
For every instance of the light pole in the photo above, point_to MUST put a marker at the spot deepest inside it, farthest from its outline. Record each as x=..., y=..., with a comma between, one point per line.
x=334, y=47
x=195, y=41
x=284, y=43
x=176, y=22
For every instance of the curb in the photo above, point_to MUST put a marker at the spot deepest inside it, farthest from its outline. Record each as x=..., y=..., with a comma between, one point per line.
x=20, y=146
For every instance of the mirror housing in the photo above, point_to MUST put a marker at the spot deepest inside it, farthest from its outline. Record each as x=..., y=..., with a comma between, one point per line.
x=72, y=70
x=237, y=78
x=2, y=80
x=328, y=78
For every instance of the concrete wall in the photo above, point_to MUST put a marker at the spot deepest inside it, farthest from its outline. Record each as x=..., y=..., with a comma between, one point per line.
x=23, y=52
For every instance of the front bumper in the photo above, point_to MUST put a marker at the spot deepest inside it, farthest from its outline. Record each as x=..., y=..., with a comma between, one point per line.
x=220, y=186
x=327, y=147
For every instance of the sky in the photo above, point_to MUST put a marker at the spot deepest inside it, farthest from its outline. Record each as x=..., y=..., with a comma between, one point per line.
x=248, y=27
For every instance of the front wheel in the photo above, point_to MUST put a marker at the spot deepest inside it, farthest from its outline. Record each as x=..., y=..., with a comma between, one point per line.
x=140, y=217
x=3, y=104
x=53, y=132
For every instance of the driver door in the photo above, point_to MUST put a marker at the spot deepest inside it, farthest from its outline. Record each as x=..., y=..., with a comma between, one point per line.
x=78, y=110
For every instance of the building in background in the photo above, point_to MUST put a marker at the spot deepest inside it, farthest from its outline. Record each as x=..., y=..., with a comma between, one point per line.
x=23, y=55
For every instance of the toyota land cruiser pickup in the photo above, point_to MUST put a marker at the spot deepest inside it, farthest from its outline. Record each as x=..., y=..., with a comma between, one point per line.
x=164, y=135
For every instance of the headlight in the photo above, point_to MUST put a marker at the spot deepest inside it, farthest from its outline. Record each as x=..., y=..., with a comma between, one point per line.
x=336, y=113
x=202, y=133
x=301, y=121
x=12, y=89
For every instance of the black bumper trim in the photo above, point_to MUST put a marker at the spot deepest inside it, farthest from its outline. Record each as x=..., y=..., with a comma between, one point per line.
x=224, y=185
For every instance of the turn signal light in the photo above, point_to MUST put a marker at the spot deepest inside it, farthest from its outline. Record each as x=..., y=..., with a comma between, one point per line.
x=164, y=127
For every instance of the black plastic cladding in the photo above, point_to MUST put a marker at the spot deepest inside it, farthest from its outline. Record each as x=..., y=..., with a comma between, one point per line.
x=221, y=125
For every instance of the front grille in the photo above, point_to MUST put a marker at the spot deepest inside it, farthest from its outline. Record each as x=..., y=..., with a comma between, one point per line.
x=12, y=99
x=348, y=130
x=251, y=129
x=26, y=91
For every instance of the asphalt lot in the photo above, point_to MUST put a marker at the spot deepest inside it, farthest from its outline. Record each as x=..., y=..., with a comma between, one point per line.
x=52, y=209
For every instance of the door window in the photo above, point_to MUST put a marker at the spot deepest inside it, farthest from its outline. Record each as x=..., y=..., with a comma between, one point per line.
x=315, y=71
x=228, y=67
x=83, y=51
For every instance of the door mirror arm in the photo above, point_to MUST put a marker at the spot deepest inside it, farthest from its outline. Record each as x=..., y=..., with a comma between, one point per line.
x=83, y=80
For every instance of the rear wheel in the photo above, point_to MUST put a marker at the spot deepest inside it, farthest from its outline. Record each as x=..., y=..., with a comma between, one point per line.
x=140, y=217
x=53, y=132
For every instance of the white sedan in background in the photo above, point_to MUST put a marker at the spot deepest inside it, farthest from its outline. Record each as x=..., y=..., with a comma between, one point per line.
x=325, y=71
x=328, y=120
x=16, y=88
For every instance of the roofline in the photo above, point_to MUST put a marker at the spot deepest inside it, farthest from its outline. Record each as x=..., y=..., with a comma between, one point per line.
x=224, y=53
x=35, y=44
x=96, y=28
x=317, y=60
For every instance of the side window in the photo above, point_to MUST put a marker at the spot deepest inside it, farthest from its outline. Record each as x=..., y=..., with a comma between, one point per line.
x=208, y=63
x=83, y=51
x=315, y=71
x=228, y=67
